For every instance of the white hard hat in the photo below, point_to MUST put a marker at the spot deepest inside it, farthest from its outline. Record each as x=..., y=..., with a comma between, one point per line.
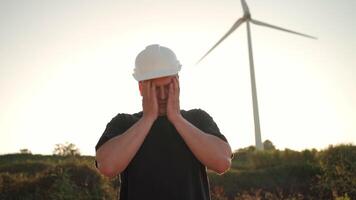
x=155, y=61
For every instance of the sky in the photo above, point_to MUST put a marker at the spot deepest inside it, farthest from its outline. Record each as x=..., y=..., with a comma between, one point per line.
x=66, y=69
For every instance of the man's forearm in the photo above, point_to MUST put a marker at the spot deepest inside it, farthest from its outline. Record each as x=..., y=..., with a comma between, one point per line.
x=208, y=149
x=114, y=156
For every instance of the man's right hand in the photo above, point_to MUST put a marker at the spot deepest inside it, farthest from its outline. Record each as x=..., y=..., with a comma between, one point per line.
x=149, y=100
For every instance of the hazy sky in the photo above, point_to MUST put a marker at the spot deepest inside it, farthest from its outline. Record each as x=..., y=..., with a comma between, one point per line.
x=66, y=68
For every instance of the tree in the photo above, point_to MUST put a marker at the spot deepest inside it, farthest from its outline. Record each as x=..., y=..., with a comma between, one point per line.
x=25, y=151
x=268, y=145
x=67, y=149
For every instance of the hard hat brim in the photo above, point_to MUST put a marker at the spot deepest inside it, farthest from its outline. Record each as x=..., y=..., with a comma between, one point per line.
x=155, y=74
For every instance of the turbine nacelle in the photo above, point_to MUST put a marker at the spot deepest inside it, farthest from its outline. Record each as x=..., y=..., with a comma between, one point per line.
x=246, y=16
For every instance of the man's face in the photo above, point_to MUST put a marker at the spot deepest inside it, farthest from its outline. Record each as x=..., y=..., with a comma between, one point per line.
x=162, y=90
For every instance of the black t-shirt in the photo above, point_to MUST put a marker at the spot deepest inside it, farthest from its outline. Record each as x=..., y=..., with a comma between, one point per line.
x=164, y=167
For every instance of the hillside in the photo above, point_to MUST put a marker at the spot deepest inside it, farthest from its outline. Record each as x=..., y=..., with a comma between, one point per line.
x=272, y=174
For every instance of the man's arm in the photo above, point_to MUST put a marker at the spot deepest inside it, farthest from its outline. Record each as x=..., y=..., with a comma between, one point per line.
x=114, y=155
x=210, y=150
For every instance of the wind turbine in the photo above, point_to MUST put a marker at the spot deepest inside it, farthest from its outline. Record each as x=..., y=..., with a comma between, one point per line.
x=247, y=18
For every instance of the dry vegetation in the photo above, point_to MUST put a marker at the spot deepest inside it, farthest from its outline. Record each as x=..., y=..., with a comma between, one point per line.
x=272, y=174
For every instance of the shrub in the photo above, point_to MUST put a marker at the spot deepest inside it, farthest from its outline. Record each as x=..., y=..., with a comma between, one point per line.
x=338, y=166
x=71, y=179
x=28, y=168
x=290, y=179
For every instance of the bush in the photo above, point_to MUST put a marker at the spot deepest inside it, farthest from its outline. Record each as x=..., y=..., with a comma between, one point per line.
x=338, y=166
x=288, y=179
x=28, y=168
x=71, y=179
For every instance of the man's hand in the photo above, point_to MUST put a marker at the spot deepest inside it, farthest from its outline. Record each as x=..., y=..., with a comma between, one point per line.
x=173, y=108
x=149, y=101
x=115, y=155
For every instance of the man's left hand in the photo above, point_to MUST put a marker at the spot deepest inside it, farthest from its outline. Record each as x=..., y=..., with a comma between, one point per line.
x=173, y=108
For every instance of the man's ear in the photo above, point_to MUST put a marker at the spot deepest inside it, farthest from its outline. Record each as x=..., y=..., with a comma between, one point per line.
x=140, y=87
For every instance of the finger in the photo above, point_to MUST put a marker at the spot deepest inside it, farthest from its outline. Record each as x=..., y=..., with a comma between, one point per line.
x=170, y=92
x=148, y=89
x=171, y=88
x=144, y=89
x=176, y=86
x=153, y=91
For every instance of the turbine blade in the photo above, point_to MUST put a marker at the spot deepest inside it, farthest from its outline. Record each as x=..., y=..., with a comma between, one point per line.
x=244, y=6
x=232, y=29
x=279, y=28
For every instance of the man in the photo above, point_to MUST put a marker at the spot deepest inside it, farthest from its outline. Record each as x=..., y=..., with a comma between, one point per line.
x=162, y=152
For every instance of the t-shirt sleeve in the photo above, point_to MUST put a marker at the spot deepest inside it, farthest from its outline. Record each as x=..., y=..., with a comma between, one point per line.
x=118, y=125
x=206, y=123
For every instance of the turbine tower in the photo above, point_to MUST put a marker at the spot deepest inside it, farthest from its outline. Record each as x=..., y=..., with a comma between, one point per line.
x=247, y=18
